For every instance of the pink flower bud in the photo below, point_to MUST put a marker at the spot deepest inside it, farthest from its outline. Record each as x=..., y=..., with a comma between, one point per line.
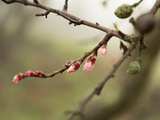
x=73, y=67
x=88, y=66
x=38, y=72
x=69, y=62
x=30, y=73
x=17, y=78
x=103, y=49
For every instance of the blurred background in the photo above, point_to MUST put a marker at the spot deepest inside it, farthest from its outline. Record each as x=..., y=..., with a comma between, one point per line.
x=35, y=43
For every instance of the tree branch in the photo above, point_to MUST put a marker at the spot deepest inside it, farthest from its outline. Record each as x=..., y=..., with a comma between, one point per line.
x=77, y=21
x=155, y=8
x=71, y=18
x=97, y=90
x=40, y=74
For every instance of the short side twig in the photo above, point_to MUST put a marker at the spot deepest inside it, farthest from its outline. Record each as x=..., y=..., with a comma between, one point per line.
x=65, y=7
x=43, y=14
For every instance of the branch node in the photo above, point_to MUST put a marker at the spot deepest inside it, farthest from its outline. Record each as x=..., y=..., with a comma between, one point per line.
x=119, y=32
x=43, y=14
x=76, y=22
x=98, y=90
x=24, y=2
x=36, y=2
x=75, y=113
x=97, y=23
x=132, y=21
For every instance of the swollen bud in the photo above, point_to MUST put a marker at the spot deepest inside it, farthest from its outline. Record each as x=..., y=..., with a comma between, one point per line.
x=103, y=49
x=30, y=73
x=145, y=23
x=17, y=78
x=89, y=65
x=74, y=67
x=124, y=11
x=134, y=67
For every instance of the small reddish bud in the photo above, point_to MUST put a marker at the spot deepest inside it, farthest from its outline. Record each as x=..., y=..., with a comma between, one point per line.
x=30, y=73
x=17, y=78
x=38, y=72
x=69, y=62
x=103, y=49
x=73, y=67
x=88, y=66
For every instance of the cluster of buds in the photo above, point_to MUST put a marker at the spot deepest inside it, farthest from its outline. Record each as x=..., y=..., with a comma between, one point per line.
x=35, y=74
x=73, y=66
x=89, y=65
x=19, y=76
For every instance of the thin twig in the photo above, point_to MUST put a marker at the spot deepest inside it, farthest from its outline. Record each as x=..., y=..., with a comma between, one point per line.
x=71, y=18
x=65, y=7
x=43, y=14
x=136, y=4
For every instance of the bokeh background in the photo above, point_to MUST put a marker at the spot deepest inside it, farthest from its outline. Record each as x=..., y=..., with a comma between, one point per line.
x=35, y=43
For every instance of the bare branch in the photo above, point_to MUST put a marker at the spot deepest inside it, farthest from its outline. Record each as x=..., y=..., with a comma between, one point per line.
x=71, y=18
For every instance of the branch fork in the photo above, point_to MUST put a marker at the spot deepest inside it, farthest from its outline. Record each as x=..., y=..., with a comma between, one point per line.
x=132, y=39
